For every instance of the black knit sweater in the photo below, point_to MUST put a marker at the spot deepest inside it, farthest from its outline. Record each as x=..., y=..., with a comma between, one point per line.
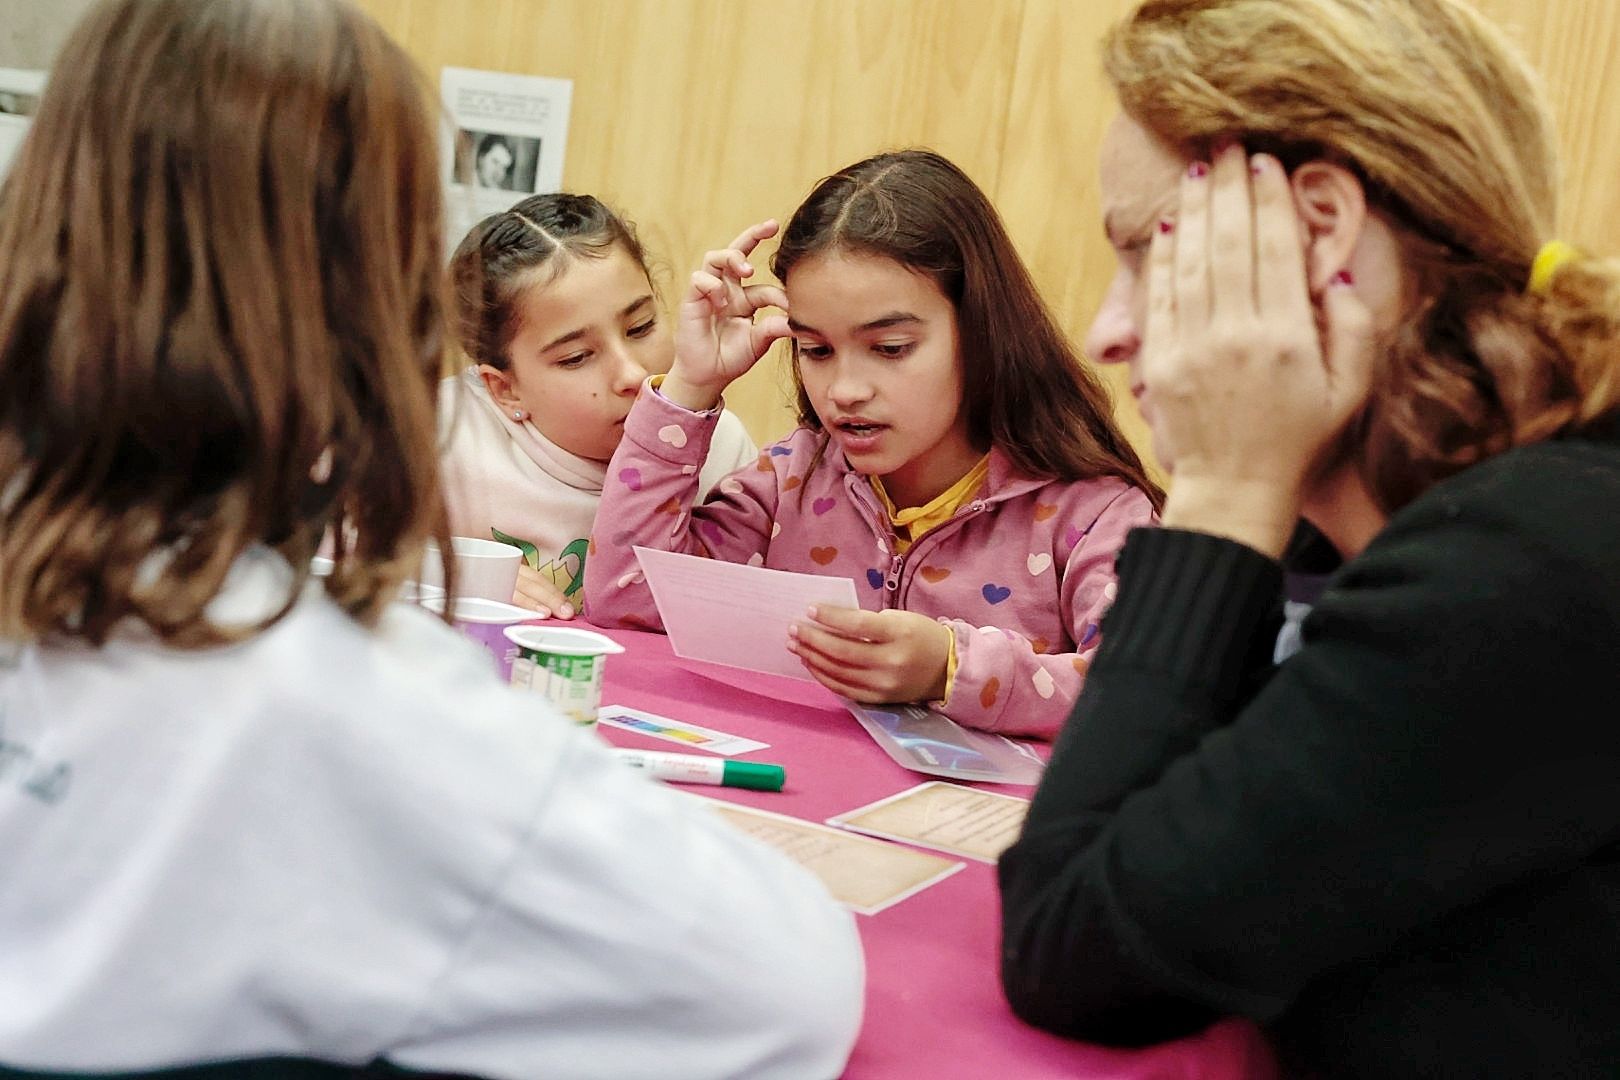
x=1400, y=850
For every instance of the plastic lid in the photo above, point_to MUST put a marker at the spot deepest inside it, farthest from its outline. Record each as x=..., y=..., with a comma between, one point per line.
x=562, y=641
x=754, y=774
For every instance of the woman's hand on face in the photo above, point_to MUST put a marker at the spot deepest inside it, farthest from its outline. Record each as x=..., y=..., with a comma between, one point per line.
x=538, y=593
x=1249, y=378
x=717, y=337
x=874, y=656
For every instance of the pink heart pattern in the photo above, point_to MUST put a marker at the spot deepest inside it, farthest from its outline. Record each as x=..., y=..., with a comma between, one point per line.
x=630, y=478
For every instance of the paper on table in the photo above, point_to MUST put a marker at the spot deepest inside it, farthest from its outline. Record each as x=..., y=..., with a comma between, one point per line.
x=946, y=817
x=676, y=731
x=734, y=614
x=864, y=875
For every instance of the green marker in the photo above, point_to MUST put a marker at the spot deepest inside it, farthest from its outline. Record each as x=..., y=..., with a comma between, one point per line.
x=691, y=769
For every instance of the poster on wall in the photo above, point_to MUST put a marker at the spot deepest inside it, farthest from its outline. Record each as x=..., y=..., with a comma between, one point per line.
x=506, y=140
x=19, y=98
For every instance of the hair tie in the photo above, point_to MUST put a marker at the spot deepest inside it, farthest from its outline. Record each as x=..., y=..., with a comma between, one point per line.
x=1552, y=257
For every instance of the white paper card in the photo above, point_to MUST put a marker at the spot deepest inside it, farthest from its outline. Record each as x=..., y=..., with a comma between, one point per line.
x=679, y=732
x=735, y=614
x=864, y=875
x=946, y=817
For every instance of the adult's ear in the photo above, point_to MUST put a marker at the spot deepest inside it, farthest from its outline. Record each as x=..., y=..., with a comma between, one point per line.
x=500, y=386
x=1332, y=207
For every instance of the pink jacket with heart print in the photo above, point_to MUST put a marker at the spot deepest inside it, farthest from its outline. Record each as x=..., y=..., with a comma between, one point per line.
x=1022, y=575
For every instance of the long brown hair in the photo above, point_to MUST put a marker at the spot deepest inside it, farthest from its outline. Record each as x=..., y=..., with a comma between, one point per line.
x=509, y=252
x=221, y=317
x=1443, y=121
x=1024, y=386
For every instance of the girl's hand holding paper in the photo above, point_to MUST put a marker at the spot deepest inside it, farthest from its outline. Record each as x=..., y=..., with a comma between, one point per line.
x=874, y=656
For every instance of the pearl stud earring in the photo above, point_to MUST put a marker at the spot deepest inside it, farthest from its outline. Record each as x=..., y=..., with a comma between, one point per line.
x=517, y=414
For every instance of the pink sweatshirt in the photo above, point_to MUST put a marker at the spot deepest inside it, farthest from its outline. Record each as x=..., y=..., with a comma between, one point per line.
x=1022, y=575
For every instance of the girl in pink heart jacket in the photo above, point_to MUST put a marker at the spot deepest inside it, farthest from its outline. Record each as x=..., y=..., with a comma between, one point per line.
x=955, y=458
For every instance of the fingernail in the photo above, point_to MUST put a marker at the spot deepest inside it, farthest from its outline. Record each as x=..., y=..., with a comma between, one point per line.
x=1257, y=165
x=1223, y=145
x=1198, y=170
x=1166, y=225
x=543, y=612
x=1344, y=277
x=566, y=611
x=810, y=611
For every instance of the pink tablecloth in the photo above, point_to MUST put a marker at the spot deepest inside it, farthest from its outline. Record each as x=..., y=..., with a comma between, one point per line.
x=933, y=1004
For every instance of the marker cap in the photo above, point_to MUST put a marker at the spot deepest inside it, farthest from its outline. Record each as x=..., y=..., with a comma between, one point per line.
x=754, y=774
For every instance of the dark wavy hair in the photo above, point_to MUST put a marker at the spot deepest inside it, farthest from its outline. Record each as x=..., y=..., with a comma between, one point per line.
x=221, y=315
x=1025, y=388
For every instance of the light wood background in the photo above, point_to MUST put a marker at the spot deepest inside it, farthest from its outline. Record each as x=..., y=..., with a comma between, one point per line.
x=698, y=117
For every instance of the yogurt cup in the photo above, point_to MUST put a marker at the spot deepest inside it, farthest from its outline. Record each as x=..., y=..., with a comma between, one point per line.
x=563, y=665
x=484, y=621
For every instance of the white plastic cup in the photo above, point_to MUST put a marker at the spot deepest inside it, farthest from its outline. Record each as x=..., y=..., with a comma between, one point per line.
x=563, y=665
x=484, y=621
x=484, y=568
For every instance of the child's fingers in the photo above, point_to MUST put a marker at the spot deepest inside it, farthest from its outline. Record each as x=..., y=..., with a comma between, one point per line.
x=862, y=684
x=707, y=285
x=540, y=595
x=749, y=238
x=768, y=331
x=854, y=624
x=838, y=685
x=763, y=296
x=726, y=263
x=837, y=651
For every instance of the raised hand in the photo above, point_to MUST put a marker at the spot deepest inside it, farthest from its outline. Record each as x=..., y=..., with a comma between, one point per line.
x=874, y=656
x=717, y=337
x=1250, y=378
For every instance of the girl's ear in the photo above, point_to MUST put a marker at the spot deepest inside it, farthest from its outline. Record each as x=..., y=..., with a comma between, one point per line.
x=500, y=386
x=1332, y=207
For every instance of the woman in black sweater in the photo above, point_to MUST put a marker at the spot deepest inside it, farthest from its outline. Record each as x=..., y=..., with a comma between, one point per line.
x=1400, y=849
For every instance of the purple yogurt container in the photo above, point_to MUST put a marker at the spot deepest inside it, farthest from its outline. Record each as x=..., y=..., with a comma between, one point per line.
x=485, y=621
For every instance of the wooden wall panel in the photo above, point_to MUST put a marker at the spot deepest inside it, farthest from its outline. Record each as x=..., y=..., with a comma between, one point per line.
x=697, y=117
x=1575, y=44
x=1048, y=191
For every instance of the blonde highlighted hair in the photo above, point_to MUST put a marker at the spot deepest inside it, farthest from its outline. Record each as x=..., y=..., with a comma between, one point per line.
x=1444, y=122
x=221, y=317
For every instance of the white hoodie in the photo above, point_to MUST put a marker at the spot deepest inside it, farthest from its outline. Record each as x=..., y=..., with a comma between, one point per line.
x=349, y=845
